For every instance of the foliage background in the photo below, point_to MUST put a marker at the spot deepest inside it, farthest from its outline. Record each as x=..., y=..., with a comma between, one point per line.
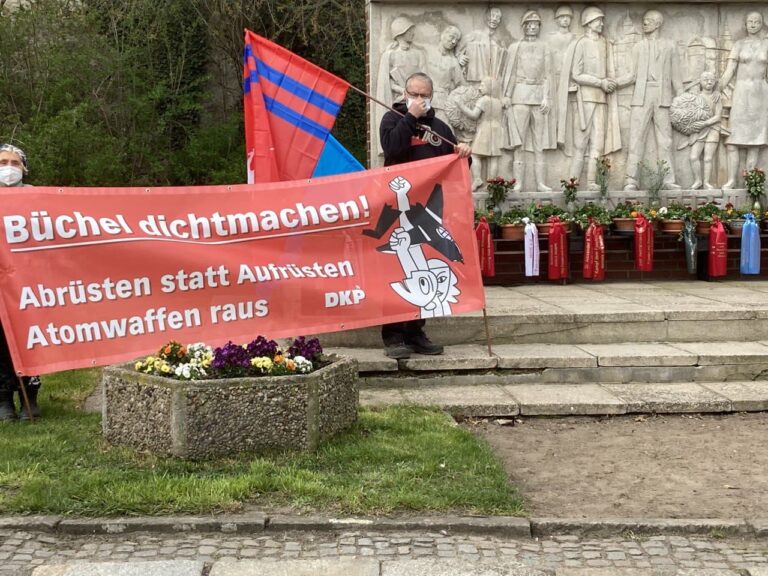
x=149, y=92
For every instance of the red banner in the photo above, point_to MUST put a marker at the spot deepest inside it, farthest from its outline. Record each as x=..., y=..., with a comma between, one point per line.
x=93, y=276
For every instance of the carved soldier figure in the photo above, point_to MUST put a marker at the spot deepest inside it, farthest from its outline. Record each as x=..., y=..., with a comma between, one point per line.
x=528, y=82
x=484, y=51
x=560, y=39
x=589, y=64
x=558, y=42
x=657, y=79
x=399, y=61
x=445, y=70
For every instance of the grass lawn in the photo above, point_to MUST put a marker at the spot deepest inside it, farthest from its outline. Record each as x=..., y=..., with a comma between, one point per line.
x=400, y=459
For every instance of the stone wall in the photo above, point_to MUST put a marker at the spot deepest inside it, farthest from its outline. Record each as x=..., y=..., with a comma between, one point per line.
x=200, y=419
x=572, y=82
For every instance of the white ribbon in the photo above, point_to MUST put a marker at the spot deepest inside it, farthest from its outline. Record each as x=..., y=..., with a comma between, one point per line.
x=531, y=248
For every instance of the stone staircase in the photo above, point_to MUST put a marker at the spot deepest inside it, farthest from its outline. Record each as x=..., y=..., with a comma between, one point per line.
x=584, y=349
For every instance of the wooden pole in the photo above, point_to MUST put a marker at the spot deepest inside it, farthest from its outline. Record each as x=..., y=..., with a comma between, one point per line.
x=25, y=398
x=487, y=332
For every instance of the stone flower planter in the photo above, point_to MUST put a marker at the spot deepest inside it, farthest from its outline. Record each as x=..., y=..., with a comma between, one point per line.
x=202, y=419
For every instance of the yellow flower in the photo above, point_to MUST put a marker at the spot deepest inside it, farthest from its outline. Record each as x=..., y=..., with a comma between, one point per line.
x=165, y=368
x=653, y=213
x=633, y=214
x=138, y=365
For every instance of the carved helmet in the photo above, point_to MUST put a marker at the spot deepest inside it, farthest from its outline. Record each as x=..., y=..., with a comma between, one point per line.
x=400, y=26
x=530, y=16
x=591, y=13
x=563, y=10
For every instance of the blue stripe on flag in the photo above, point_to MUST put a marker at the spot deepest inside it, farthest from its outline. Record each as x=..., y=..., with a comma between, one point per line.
x=297, y=88
x=295, y=118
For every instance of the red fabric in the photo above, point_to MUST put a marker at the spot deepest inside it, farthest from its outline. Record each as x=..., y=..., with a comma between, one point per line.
x=290, y=105
x=558, y=250
x=486, y=249
x=643, y=244
x=594, y=252
x=718, y=249
x=214, y=263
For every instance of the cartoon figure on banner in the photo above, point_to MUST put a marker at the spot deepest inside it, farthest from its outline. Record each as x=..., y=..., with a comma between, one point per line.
x=429, y=284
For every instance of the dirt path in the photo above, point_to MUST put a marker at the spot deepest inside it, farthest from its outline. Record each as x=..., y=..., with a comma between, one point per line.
x=638, y=466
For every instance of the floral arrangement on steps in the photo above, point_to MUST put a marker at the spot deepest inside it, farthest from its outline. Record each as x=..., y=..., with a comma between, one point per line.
x=260, y=357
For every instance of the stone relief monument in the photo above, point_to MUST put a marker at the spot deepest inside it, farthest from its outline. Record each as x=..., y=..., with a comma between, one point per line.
x=543, y=92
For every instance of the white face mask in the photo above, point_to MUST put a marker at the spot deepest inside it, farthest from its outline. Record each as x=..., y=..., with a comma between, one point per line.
x=427, y=101
x=10, y=175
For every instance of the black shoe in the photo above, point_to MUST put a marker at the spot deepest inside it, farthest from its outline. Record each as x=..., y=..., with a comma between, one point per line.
x=32, y=388
x=398, y=351
x=423, y=345
x=7, y=409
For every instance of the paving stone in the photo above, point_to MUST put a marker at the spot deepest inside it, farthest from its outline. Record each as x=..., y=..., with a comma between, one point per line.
x=726, y=352
x=639, y=354
x=518, y=356
x=464, y=400
x=162, y=568
x=460, y=357
x=368, y=359
x=319, y=567
x=566, y=571
x=744, y=396
x=559, y=399
x=455, y=567
x=669, y=398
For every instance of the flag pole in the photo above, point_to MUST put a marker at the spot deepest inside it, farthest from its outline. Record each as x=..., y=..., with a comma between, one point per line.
x=487, y=332
x=24, y=397
x=388, y=107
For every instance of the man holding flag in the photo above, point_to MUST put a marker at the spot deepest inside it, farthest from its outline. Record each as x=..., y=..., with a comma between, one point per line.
x=408, y=133
x=290, y=107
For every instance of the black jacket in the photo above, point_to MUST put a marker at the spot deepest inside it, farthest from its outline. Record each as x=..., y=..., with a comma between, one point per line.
x=403, y=141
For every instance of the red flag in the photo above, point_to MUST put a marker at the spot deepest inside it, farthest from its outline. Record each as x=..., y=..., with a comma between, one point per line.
x=290, y=106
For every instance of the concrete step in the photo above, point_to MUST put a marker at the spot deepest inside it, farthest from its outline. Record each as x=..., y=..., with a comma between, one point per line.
x=627, y=362
x=489, y=400
x=687, y=311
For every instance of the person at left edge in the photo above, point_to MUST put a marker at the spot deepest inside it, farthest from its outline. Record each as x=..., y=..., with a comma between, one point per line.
x=403, y=139
x=13, y=167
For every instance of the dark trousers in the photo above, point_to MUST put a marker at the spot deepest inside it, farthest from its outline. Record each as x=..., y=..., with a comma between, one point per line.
x=399, y=332
x=8, y=379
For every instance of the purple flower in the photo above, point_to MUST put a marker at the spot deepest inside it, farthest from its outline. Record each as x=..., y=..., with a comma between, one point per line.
x=310, y=349
x=230, y=356
x=262, y=347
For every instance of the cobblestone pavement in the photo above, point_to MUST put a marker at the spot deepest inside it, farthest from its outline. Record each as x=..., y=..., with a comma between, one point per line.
x=21, y=551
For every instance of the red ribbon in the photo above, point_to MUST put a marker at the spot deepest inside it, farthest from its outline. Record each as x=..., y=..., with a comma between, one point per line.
x=485, y=249
x=558, y=250
x=594, y=252
x=718, y=249
x=643, y=244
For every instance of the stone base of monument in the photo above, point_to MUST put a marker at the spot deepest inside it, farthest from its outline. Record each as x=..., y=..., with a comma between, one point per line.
x=207, y=418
